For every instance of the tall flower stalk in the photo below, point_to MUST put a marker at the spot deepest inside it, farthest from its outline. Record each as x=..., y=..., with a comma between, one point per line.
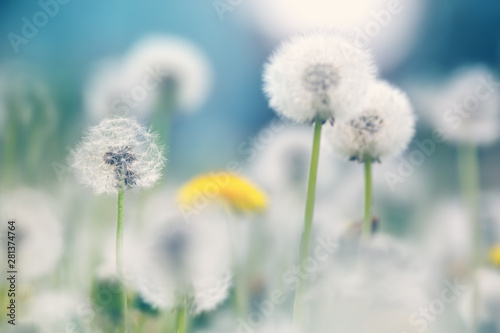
x=305, y=242
x=367, y=221
x=237, y=195
x=469, y=174
x=383, y=129
x=314, y=78
x=119, y=257
x=181, y=319
x=115, y=156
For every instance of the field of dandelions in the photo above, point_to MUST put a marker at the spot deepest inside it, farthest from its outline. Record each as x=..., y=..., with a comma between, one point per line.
x=339, y=222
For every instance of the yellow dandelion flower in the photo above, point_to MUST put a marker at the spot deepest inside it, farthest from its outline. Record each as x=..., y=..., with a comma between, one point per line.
x=229, y=189
x=495, y=255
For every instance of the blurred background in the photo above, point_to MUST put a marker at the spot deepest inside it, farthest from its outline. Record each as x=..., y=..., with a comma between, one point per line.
x=425, y=38
x=64, y=64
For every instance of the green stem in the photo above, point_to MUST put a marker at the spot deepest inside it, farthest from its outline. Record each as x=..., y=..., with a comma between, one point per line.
x=469, y=174
x=181, y=320
x=367, y=222
x=240, y=294
x=119, y=260
x=164, y=112
x=10, y=152
x=305, y=243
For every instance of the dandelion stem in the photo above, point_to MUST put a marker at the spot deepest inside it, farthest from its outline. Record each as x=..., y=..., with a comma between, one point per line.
x=468, y=164
x=9, y=153
x=305, y=244
x=164, y=111
x=119, y=260
x=240, y=294
x=181, y=319
x=367, y=222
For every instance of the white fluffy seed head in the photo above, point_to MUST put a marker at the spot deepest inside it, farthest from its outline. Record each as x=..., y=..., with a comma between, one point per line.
x=39, y=232
x=318, y=76
x=118, y=153
x=383, y=129
x=184, y=262
x=466, y=108
x=136, y=83
x=173, y=59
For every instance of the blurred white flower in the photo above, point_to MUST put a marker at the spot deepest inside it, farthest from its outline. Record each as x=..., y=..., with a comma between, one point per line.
x=54, y=311
x=177, y=60
x=283, y=165
x=25, y=101
x=279, y=326
x=318, y=76
x=118, y=153
x=106, y=91
x=466, y=107
x=136, y=83
x=383, y=129
x=491, y=211
x=191, y=260
x=38, y=232
x=488, y=281
x=383, y=283
x=278, y=323
x=447, y=238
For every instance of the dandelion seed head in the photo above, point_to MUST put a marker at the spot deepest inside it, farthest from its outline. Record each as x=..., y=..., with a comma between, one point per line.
x=178, y=63
x=38, y=234
x=208, y=293
x=51, y=311
x=283, y=165
x=392, y=281
x=465, y=107
x=118, y=153
x=135, y=84
x=384, y=129
x=184, y=261
x=319, y=75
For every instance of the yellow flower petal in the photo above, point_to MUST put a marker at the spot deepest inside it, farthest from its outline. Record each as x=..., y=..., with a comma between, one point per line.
x=495, y=255
x=229, y=189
